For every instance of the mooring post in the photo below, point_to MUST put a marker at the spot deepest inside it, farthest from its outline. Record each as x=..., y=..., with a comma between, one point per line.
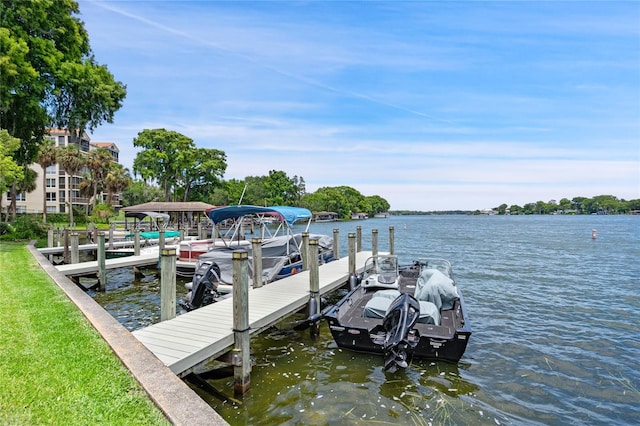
x=75, y=252
x=359, y=233
x=65, y=253
x=167, y=284
x=305, y=251
x=95, y=232
x=241, y=354
x=392, y=246
x=136, y=242
x=352, y=253
x=50, y=237
x=161, y=240
x=111, y=226
x=374, y=242
x=200, y=231
x=336, y=244
x=183, y=232
x=256, y=253
x=314, y=286
x=102, y=268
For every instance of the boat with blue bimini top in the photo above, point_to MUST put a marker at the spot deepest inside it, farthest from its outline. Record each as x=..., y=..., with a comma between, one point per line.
x=402, y=312
x=280, y=247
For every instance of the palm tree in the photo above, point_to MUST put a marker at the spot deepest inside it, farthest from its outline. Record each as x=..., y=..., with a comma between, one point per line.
x=71, y=160
x=98, y=163
x=47, y=156
x=116, y=180
x=22, y=186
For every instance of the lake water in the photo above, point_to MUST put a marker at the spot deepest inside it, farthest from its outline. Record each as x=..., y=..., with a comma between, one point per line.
x=556, y=331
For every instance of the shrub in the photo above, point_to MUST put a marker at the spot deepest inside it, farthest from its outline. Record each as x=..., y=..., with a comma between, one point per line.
x=25, y=227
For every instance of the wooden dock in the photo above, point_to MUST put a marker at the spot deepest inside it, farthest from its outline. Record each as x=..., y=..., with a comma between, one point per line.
x=206, y=333
x=150, y=257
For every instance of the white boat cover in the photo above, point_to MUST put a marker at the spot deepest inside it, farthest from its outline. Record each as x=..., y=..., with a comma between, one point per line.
x=435, y=287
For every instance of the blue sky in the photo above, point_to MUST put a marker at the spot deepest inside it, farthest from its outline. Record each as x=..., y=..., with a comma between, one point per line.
x=431, y=105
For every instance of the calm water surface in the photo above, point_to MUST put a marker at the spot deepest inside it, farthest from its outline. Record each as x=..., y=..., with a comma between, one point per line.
x=555, y=318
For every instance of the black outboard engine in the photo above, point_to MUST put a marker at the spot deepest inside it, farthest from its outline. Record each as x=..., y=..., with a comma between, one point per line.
x=204, y=285
x=400, y=318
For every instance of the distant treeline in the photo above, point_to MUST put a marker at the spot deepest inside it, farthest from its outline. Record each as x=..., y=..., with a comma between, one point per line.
x=601, y=204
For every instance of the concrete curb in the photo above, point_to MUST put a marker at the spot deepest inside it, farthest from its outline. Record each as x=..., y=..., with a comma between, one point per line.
x=179, y=403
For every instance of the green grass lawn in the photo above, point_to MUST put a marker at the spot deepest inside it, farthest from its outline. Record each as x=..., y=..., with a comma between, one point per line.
x=55, y=369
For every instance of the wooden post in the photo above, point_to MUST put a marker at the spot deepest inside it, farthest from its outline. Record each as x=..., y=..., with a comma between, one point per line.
x=305, y=251
x=182, y=233
x=136, y=242
x=359, y=242
x=95, y=232
x=161, y=239
x=50, y=237
x=65, y=253
x=392, y=246
x=167, y=284
x=352, y=253
x=336, y=244
x=111, y=226
x=374, y=242
x=256, y=252
x=75, y=252
x=58, y=237
x=241, y=354
x=200, y=230
x=102, y=268
x=314, y=286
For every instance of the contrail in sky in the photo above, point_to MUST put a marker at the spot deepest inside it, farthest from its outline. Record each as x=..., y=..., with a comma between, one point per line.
x=247, y=58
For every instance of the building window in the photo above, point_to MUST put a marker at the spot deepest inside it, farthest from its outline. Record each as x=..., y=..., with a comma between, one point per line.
x=51, y=196
x=51, y=183
x=51, y=209
x=51, y=170
x=61, y=141
x=61, y=193
x=21, y=209
x=21, y=197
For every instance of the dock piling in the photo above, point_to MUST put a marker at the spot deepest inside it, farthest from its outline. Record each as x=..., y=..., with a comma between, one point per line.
x=241, y=351
x=336, y=244
x=352, y=253
x=374, y=242
x=136, y=242
x=65, y=253
x=256, y=251
x=102, y=268
x=359, y=237
x=305, y=251
x=167, y=284
x=314, y=287
x=392, y=249
x=75, y=253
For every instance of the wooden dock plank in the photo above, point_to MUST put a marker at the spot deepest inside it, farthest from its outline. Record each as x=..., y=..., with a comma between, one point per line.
x=211, y=327
x=149, y=258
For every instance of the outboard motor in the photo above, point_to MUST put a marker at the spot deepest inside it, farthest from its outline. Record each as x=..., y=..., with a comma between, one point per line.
x=400, y=318
x=204, y=285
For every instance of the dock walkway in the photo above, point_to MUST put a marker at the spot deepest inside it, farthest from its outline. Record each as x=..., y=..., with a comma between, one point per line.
x=206, y=333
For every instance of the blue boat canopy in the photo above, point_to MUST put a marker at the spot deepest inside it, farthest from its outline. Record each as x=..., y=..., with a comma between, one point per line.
x=289, y=214
x=292, y=214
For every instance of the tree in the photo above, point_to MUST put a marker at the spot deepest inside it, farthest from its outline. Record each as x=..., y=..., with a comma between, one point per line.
x=139, y=192
x=203, y=170
x=98, y=164
x=49, y=75
x=116, y=179
x=163, y=157
x=10, y=171
x=71, y=160
x=47, y=156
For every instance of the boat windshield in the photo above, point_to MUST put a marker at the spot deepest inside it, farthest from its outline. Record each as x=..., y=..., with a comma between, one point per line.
x=384, y=266
x=442, y=265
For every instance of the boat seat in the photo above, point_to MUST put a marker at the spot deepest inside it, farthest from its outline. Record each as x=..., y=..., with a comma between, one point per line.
x=377, y=307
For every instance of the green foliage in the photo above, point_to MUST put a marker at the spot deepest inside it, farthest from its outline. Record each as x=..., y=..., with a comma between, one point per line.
x=101, y=213
x=25, y=227
x=139, y=192
x=6, y=228
x=600, y=204
x=10, y=171
x=49, y=74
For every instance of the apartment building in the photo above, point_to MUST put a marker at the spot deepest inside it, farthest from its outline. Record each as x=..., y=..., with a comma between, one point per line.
x=60, y=188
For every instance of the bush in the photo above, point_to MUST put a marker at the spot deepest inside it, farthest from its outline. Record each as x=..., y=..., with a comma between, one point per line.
x=25, y=227
x=5, y=228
